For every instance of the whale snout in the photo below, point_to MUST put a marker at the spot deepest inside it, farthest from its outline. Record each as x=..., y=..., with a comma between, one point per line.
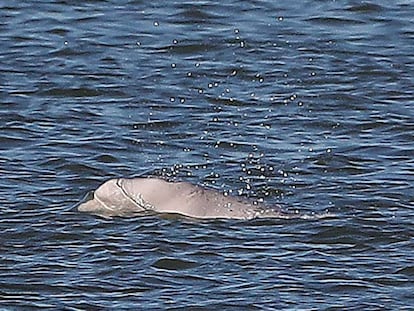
x=89, y=204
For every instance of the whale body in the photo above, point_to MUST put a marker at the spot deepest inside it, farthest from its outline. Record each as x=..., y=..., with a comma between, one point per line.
x=132, y=196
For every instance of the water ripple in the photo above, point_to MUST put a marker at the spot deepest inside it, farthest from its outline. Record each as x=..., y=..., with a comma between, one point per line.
x=308, y=106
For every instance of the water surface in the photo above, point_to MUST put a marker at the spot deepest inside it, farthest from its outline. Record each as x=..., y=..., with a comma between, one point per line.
x=307, y=105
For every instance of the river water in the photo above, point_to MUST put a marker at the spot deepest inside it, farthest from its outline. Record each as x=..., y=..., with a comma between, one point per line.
x=304, y=104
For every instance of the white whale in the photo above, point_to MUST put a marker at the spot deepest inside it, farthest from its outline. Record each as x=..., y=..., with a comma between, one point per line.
x=125, y=197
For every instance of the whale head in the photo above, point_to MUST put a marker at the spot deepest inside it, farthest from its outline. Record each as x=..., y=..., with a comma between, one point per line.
x=112, y=199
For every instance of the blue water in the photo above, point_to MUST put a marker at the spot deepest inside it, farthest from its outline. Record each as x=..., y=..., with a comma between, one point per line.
x=308, y=105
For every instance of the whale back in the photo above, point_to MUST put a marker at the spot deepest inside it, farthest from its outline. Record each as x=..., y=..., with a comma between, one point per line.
x=188, y=199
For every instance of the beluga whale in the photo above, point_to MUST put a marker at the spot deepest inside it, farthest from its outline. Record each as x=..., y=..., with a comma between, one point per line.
x=135, y=196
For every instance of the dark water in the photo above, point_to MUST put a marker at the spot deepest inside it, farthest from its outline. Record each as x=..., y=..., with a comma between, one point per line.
x=308, y=104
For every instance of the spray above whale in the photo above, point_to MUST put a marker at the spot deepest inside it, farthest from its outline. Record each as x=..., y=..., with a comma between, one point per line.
x=132, y=196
